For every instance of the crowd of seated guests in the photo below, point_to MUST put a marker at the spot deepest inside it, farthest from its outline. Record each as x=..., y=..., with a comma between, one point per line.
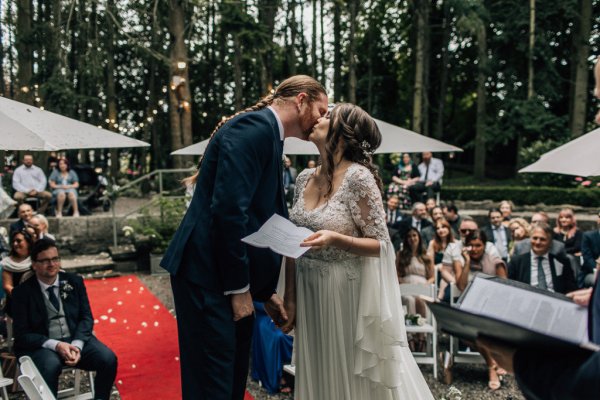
x=30, y=182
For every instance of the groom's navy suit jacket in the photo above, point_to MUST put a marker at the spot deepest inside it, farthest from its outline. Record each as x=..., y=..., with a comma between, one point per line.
x=239, y=187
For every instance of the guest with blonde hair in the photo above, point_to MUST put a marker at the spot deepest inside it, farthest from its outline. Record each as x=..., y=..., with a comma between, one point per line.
x=520, y=230
x=567, y=232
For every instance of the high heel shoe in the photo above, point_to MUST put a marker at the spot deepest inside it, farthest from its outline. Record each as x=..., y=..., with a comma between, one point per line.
x=494, y=384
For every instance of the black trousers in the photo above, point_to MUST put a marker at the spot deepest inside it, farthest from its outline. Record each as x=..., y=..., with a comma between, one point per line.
x=417, y=190
x=214, y=350
x=95, y=356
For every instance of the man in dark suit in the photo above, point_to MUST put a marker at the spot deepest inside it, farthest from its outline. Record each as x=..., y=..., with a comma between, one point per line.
x=289, y=180
x=393, y=217
x=24, y=212
x=418, y=219
x=453, y=217
x=214, y=275
x=541, y=268
x=497, y=233
x=53, y=323
x=590, y=251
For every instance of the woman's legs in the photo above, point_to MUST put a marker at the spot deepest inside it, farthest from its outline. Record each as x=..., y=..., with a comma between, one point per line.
x=494, y=380
x=74, y=205
x=60, y=202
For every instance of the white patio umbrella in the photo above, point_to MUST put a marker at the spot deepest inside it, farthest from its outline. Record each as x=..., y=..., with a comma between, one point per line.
x=25, y=127
x=394, y=140
x=580, y=157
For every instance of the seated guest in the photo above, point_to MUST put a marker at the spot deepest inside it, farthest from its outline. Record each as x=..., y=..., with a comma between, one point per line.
x=506, y=208
x=53, y=323
x=452, y=216
x=393, y=219
x=16, y=265
x=519, y=229
x=431, y=171
x=311, y=164
x=497, y=233
x=39, y=223
x=405, y=175
x=64, y=183
x=430, y=204
x=29, y=181
x=427, y=233
x=435, y=250
x=540, y=267
x=566, y=231
x=418, y=219
x=524, y=246
x=477, y=259
x=24, y=212
x=413, y=265
x=590, y=251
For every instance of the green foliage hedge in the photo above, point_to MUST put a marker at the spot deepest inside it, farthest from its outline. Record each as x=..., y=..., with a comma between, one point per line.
x=523, y=195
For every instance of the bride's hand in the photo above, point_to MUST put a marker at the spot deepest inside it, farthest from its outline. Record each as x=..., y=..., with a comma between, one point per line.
x=321, y=239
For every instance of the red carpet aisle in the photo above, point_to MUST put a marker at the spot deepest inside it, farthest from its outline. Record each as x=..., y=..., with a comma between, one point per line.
x=143, y=334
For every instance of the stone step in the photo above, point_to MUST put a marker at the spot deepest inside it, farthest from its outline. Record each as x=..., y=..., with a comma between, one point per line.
x=85, y=264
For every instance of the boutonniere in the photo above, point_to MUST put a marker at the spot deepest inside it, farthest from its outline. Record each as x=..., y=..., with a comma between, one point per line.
x=64, y=288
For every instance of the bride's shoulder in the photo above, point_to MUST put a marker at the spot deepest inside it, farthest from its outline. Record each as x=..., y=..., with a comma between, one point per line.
x=359, y=174
x=306, y=172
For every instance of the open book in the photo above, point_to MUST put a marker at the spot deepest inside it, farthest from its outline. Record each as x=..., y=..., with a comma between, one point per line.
x=515, y=313
x=281, y=236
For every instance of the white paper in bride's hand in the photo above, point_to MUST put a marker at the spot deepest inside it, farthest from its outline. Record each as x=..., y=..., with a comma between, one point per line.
x=281, y=236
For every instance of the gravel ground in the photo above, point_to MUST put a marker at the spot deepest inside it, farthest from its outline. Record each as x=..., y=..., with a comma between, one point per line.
x=471, y=380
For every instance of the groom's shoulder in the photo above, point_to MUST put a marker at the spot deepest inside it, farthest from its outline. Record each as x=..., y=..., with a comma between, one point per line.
x=253, y=124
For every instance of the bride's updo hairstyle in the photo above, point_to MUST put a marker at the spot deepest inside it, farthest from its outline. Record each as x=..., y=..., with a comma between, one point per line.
x=359, y=135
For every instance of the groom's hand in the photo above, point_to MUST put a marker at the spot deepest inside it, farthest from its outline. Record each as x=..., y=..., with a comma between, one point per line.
x=242, y=306
x=274, y=307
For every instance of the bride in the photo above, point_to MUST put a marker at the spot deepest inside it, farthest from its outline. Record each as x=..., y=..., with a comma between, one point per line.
x=350, y=333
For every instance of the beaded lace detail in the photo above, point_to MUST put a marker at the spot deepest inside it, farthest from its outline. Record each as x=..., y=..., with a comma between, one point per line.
x=355, y=209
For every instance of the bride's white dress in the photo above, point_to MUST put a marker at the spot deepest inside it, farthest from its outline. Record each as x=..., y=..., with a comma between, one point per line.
x=350, y=334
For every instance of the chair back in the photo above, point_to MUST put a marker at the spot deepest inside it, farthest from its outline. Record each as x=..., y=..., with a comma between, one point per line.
x=32, y=382
x=419, y=289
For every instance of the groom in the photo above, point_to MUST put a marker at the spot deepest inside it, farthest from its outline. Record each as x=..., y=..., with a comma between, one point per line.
x=214, y=275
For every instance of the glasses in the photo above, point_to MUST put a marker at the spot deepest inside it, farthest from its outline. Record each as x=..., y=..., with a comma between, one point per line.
x=466, y=230
x=48, y=261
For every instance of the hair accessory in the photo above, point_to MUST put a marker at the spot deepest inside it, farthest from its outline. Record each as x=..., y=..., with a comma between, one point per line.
x=366, y=148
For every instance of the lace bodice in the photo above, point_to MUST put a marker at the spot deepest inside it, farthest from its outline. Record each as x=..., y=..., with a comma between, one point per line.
x=354, y=209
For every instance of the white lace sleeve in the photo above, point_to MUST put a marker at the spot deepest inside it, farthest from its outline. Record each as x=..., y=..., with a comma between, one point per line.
x=301, y=183
x=365, y=204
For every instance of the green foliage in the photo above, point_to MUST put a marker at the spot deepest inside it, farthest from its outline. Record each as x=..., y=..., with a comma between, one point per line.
x=523, y=195
x=154, y=232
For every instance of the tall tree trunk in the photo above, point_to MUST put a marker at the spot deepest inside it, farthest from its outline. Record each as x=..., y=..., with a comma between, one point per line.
x=11, y=58
x=578, y=114
x=323, y=58
x=24, y=51
x=2, y=78
x=291, y=49
x=530, y=76
x=111, y=91
x=439, y=125
x=426, y=67
x=337, y=51
x=237, y=71
x=480, y=146
x=303, y=44
x=353, y=13
x=417, y=116
x=313, y=46
x=180, y=99
x=267, y=13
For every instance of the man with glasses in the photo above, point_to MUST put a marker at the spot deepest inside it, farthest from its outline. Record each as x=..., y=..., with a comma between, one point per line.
x=53, y=323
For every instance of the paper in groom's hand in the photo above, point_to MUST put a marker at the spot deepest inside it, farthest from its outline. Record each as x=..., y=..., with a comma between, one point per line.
x=281, y=236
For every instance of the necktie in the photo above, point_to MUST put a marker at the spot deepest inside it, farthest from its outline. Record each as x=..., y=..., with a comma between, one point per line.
x=53, y=299
x=541, y=275
x=426, y=172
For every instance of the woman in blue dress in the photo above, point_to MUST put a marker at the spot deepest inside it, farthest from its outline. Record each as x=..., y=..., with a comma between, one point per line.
x=64, y=183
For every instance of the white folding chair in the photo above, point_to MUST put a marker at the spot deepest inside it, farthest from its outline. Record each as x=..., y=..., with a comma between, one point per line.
x=36, y=388
x=4, y=383
x=429, y=328
x=467, y=356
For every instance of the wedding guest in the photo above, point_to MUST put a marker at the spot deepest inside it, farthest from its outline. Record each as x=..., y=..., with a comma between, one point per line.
x=16, y=265
x=311, y=164
x=428, y=232
x=64, y=183
x=29, y=181
x=431, y=171
x=430, y=204
x=413, y=265
x=477, y=259
x=394, y=219
x=39, y=223
x=452, y=216
x=405, y=175
x=541, y=268
x=24, y=212
x=567, y=232
x=519, y=229
x=590, y=251
x=437, y=246
x=506, y=208
x=497, y=233
x=418, y=219
x=524, y=246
